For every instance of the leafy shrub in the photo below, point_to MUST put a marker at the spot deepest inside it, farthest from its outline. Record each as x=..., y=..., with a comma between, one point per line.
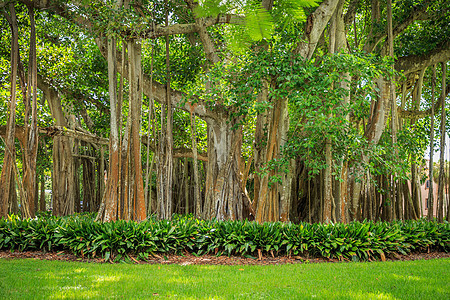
x=81, y=235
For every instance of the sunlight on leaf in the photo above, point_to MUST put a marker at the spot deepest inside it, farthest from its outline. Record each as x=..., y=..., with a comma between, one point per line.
x=259, y=24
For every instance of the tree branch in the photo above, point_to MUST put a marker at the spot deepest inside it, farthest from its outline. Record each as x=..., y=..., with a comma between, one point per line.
x=60, y=130
x=177, y=152
x=158, y=30
x=315, y=25
x=208, y=45
x=351, y=12
x=152, y=31
x=416, y=14
x=413, y=63
x=408, y=114
x=159, y=91
x=93, y=139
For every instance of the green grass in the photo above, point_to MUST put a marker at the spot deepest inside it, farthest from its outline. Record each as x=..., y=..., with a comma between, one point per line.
x=36, y=279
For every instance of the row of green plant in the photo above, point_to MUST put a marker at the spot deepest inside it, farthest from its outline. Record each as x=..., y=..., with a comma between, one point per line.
x=116, y=240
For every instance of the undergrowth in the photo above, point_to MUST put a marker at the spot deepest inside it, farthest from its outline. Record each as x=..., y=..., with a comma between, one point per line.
x=356, y=241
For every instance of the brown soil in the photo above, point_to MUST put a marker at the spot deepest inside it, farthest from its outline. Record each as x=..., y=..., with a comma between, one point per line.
x=190, y=259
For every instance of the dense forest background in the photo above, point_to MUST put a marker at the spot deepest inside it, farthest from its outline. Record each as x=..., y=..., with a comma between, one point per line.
x=288, y=110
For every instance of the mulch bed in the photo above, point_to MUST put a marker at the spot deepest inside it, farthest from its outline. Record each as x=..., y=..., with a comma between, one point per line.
x=189, y=259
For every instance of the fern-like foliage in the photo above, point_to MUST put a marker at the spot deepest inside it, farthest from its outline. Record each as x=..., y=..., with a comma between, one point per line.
x=212, y=8
x=288, y=13
x=259, y=23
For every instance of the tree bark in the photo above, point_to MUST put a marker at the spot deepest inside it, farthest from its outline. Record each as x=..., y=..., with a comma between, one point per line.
x=430, y=173
x=111, y=198
x=9, y=158
x=165, y=155
x=149, y=167
x=269, y=197
x=393, y=101
x=135, y=99
x=197, y=199
x=441, y=183
x=42, y=204
x=223, y=189
x=315, y=25
x=30, y=146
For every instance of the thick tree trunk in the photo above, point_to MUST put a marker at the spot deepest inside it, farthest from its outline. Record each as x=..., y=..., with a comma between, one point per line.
x=224, y=198
x=124, y=196
x=328, y=193
x=272, y=200
x=63, y=188
x=410, y=212
x=343, y=199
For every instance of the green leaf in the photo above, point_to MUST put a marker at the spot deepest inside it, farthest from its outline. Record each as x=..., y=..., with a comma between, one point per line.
x=210, y=8
x=259, y=24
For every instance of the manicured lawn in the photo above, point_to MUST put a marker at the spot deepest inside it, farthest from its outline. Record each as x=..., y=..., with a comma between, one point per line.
x=36, y=279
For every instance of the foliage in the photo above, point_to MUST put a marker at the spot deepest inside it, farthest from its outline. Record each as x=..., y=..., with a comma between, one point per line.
x=316, y=92
x=426, y=35
x=116, y=240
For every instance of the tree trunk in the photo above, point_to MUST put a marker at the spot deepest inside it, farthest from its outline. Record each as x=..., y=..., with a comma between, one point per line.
x=441, y=198
x=100, y=179
x=328, y=192
x=31, y=133
x=392, y=99
x=42, y=205
x=151, y=120
x=63, y=188
x=165, y=154
x=409, y=212
x=448, y=190
x=89, y=185
x=135, y=99
x=13, y=203
x=223, y=189
x=124, y=196
x=64, y=173
x=430, y=171
x=272, y=202
x=197, y=199
x=9, y=159
x=111, y=197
